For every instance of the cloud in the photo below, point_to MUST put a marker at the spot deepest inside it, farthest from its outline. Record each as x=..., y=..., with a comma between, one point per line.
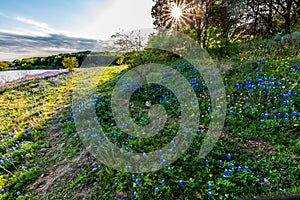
x=15, y=46
x=36, y=24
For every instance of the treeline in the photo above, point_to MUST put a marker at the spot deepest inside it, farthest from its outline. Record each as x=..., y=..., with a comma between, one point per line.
x=50, y=62
x=218, y=22
x=56, y=61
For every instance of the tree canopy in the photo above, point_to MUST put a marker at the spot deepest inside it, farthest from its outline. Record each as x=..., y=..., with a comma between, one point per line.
x=227, y=19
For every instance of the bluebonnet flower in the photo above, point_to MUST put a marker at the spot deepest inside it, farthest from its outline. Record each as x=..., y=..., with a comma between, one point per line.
x=231, y=165
x=286, y=115
x=299, y=119
x=169, y=170
x=206, y=162
x=3, y=191
x=180, y=183
x=119, y=145
x=142, y=175
x=137, y=182
x=254, y=106
x=229, y=157
x=163, y=182
x=261, y=121
x=220, y=162
x=281, y=190
x=145, y=155
x=275, y=118
x=120, y=196
x=210, y=186
x=239, y=169
x=156, y=190
x=286, y=119
x=160, y=152
x=164, y=162
x=294, y=114
x=224, y=177
x=226, y=172
x=266, y=115
x=135, y=194
x=171, y=152
x=210, y=195
x=246, y=168
x=116, y=185
x=18, y=193
x=133, y=177
x=230, y=172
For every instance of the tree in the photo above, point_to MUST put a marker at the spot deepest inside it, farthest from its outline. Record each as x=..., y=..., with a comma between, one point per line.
x=3, y=66
x=70, y=63
x=227, y=19
x=133, y=41
x=199, y=19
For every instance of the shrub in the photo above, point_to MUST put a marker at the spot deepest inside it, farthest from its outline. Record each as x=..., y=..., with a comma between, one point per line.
x=3, y=66
x=70, y=63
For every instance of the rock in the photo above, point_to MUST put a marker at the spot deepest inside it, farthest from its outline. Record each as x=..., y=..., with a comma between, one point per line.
x=43, y=150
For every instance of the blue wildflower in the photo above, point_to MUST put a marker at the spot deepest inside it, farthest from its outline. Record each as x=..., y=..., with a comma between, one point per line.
x=281, y=190
x=163, y=182
x=133, y=177
x=137, y=182
x=3, y=191
x=210, y=195
x=210, y=186
x=156, y=190
x=229, y=157
x=135, y=194
x=239, y=169
x=266, y=116
x=180, y=183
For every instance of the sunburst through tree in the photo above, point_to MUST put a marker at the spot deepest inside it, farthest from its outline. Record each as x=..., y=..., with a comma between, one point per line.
x=178, y=14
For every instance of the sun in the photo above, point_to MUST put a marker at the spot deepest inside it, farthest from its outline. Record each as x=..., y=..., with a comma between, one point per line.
x=179, y=14
x=176, y=12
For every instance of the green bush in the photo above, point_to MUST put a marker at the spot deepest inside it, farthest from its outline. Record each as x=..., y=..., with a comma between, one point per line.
x=135, y=58
x=3, y=66
x=70, y=63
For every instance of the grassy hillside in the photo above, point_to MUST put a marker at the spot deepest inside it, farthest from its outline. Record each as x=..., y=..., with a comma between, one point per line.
x=258, y=153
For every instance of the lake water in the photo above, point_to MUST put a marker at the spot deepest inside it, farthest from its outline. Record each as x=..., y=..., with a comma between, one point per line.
x=17, y=74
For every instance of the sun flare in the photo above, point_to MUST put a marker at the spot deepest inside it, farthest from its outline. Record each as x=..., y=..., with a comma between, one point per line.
x=176, y=12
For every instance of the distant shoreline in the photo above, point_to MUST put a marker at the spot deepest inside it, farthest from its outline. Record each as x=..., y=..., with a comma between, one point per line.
x=31, y=77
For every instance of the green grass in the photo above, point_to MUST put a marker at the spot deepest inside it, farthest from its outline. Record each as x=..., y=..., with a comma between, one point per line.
x=60, y=167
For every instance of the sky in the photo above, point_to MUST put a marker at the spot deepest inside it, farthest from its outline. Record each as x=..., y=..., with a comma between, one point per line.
x=45, y=27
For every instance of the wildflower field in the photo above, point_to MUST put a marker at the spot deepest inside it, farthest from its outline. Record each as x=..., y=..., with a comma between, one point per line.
x=258, y=153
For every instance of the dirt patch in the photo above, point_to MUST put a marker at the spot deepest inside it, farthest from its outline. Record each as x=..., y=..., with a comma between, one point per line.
x=58, y=168
x=256, y=149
